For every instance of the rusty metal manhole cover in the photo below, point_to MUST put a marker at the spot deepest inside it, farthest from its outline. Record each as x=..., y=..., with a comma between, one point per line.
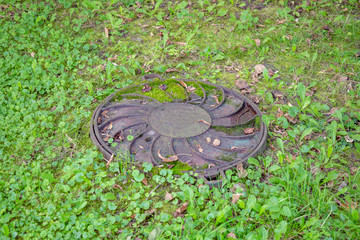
x=206, y=127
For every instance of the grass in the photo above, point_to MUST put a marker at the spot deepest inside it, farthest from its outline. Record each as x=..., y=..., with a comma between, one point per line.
x=60, y=59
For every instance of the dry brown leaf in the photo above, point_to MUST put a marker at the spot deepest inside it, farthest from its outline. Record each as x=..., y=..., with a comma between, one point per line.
x=208, y=140
x=216, y=142
x=237, y=149
x=308, y=41
x=241, y=84
x=172, y=158
x=258, y=70
x=236, y=197
x=182, y=208
x=118, y=186
x=183, y=84
x=168, y=196
x=146, y=88
x=231, y=235
x=106, y=32
x=248, y=131
x=257, y=42
x=277, y=94
x=150, y=211
x=190, y=88
x=104, y=114
x=201, y=150
x=289, y=37
x=144, y=181
x=281, y=21
x=289, y=118
x=169, y=70
x=242, y=173
x=180, y=43
x=203, y=121
x=110, y=126
x=343, y=79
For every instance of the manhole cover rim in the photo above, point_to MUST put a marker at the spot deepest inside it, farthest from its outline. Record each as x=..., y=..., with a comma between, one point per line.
x=208, y=173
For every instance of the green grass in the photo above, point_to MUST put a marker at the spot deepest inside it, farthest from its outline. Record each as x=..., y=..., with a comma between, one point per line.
x=54, y=72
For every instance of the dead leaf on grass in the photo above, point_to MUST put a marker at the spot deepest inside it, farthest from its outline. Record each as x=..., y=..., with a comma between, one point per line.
x=106, y=32
x=118, y=186
x=182, y=208
x=281, y=21
x=168, y=196
x=110, y=160
x=236, y=197
x=257, y=42
x=144, y=181
x=308, y=41
x=242, y=173
x=231, y=235
x=183, y=84
x=277, y=94
x=290, y=118
x=169, y=70
x=146, y=88
x=258, y=70
x=150, y=211
x=241, y=84
x=190, y=89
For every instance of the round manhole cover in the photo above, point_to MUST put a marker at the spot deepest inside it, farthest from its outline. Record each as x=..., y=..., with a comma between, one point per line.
x=203, y=126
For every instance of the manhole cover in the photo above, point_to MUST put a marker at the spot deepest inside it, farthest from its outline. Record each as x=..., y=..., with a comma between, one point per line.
x=206, y=128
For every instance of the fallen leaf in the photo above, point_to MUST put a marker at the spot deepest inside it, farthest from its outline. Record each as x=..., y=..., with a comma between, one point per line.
x=208, y=140
x=248, y=131
x=110, y=126
x=201, y=150
x=172, y=158
x=168, y=196
x=190, y=88
x=169, y=70
x=242, y=173
x=183, y=84
x=241, y=84
x=180, y=43
x=106, y=32
x=233, y=148
x=163, y=87
x=144, y=181
x=281, y=21
x=308, y=41
x=289, y=118
x=235, y=197
x=32, y=54
x=118, y=186
x=343, y=79
x=104, y=114
x=99, y=120
x=326, y=27
x=348, y=139
x=146, y=88
x=258, y=70
x=231, y=235
x=182, y=208
x=203, y=121
x=216, y=142
x=277, y=94
x=289, y=37
x=150, y=211
x=254, y=98
x=257, y=42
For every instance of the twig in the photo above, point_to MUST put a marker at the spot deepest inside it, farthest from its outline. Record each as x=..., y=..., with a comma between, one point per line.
x=110, y=160
x=153, y=191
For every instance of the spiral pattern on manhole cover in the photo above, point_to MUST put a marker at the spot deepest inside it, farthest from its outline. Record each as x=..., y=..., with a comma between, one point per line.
x=203, y=125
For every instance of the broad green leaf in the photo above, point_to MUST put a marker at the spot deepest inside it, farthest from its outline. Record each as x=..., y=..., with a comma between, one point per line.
x=331, y=176
x=280, y=230
x=274, y=168
x=286, y=211
x=306, y=132
x=222, y=12
x=110, y=196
